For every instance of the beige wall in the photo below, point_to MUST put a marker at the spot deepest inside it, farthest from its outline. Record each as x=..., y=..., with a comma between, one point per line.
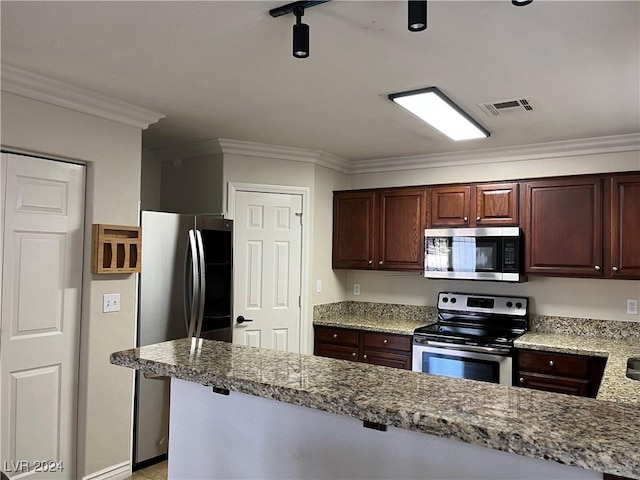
x=112, y=153
x=150, y=174
x=192, y=185
x=589, y=298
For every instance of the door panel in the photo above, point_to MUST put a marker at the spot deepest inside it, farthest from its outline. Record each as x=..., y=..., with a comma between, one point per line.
x=625, y=227
x=43, y=211
x=268, y=253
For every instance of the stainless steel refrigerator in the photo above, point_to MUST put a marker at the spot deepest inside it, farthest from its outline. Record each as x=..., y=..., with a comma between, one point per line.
x=185, y=281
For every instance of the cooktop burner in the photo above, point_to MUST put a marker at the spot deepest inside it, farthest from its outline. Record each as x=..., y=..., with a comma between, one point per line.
x=471, y=319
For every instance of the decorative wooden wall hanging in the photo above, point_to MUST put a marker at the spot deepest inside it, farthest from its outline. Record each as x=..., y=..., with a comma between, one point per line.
x=116, y=249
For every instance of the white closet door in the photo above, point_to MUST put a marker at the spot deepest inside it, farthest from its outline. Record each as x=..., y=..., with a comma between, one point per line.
x=43, y=218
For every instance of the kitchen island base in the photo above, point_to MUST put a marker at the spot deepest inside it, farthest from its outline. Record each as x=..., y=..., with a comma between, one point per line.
x=214, y=436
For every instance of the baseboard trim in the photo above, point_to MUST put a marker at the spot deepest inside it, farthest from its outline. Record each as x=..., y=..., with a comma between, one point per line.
x=119, y=471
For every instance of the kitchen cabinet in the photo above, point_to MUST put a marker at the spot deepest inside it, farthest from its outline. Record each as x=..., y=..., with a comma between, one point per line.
x=583, y=226
x=623, y=226
x=563, y=226
x=561, y=373
x=480, y=205
x=391, y=350
x=379, y=229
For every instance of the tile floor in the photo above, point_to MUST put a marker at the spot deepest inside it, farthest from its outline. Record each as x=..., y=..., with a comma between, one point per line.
x=154, y=472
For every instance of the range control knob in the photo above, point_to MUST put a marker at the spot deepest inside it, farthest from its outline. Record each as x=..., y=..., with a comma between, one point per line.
x=453, y=300
x=445, y=299
x=509, y=304
x=518, y=305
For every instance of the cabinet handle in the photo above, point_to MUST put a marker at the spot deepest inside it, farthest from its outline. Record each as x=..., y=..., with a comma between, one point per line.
x=466, y=219
x=551, y=364
x=385, y=341
x=335, y=335
x=380, y=262
x=522, y=380
x=478, y=219
x=614, y=268
x=354, y=354
x=597, y=267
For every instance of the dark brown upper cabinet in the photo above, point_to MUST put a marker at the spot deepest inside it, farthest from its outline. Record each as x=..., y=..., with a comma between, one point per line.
x=494, y=205
x=622, y=223
x=563, y=226
x=379, y=229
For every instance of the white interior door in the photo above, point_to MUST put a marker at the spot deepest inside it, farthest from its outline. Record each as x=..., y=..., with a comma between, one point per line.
x=43, y=210
x=267, y=266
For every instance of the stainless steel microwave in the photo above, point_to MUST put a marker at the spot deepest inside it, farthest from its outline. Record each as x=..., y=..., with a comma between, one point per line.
x=494, y=254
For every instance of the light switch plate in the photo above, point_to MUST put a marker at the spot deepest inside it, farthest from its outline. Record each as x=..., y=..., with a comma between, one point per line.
x=318, y=286
x=632, y=306
x=111, y=302
x=356, y=289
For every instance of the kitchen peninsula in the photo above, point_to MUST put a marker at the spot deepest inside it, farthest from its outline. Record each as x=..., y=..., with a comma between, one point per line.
x=314, y=429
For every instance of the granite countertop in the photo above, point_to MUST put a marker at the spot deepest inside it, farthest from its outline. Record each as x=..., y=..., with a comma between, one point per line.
x=615, y=386
x=399, y=325
x=587, y=433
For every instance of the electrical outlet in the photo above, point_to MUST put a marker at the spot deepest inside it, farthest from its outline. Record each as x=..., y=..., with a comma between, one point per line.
x=111, y=302
x=318, y=286
x=632, y=306
x=356, y=289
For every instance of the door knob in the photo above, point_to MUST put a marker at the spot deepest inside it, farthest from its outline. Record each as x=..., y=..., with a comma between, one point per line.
x=241, y=319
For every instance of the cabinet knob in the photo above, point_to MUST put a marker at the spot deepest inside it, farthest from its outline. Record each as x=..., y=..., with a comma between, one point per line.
x=385, y=341
x=380, y=262
x=354, y=354
x=551, y=364
x=370, y=262
x=614, y=268
x=466, y=219
x=597, y=267
x=478, y=219
x=365, y=356
x=521, y=380
x=335, y=335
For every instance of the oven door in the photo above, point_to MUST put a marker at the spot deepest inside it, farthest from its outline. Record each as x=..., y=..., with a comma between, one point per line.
x=458, y=361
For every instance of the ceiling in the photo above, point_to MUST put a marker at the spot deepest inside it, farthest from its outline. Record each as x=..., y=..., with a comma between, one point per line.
x=224, y=69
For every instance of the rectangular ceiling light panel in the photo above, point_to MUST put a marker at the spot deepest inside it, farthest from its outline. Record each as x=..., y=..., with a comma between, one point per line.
x=435, y=108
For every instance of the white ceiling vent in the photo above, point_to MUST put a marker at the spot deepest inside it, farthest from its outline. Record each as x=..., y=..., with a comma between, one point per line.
x=518, y=105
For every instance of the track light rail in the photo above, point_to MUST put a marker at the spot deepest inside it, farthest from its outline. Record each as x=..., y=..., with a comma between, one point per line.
x=292, y=7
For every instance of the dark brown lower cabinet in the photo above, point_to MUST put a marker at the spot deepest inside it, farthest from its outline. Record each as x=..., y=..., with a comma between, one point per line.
x=561, y=373
x=390, y=350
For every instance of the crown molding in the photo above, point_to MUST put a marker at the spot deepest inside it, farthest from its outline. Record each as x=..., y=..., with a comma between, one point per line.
x=36, y=87
x=566, y=148
x=252, y=149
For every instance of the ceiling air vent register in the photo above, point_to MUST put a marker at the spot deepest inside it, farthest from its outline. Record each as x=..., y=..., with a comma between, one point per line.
x=518, y=105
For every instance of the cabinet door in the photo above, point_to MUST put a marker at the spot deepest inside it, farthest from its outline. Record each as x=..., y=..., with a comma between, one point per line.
x=402, y=223
x=563, y=227
x=625, y=226
x=387, y=359
x=450, y=206
x=497, y=204
x=353, y=230
x=336, y=351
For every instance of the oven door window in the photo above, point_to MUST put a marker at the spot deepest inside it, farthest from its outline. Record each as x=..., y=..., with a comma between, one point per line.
x=460, y=367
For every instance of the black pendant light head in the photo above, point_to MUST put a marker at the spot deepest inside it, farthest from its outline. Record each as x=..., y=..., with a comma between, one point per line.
x=521, y=3
x=300, y=35
x=417, y=15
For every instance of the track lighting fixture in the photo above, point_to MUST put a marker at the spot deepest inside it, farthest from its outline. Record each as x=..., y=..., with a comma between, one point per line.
x=300, y=35
x=417, y=15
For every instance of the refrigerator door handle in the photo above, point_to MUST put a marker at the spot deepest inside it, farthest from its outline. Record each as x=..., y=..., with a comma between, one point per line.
x=191, y=287
x=202, y=287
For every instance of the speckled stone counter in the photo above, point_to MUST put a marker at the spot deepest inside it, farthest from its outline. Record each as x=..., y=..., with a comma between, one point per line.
x=587, y=433
x=615, y=386
x=376, y=317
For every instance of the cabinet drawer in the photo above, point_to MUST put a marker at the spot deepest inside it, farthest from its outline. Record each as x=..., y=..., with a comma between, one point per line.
x=337, y=336
x=336, y=351
x=387, y=341
x=554, y=363
x=387, y=359
x=550, y=383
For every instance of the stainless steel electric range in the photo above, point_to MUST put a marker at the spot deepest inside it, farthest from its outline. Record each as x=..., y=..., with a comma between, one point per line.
x=473, y=337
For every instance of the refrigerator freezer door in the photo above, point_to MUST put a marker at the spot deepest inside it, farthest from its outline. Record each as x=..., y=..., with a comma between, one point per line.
x=160, y=318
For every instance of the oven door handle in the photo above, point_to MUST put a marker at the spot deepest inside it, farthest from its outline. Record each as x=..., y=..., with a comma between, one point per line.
x=468, y=348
